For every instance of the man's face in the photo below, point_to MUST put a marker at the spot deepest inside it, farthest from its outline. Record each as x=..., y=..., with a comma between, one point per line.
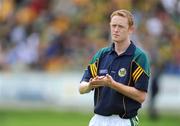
x=119, y=29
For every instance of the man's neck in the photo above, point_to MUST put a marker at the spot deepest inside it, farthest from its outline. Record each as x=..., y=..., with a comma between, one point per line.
x=120, y=47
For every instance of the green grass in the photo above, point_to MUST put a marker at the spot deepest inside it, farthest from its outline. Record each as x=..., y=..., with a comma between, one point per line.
x=55, y=118
x=42, y=118
x=164, y=119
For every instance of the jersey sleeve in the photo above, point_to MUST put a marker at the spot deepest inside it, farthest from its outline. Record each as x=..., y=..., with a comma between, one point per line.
x=141, y=71
x=92, y=69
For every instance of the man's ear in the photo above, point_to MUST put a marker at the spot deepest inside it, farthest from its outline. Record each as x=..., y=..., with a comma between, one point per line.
x=131, y=29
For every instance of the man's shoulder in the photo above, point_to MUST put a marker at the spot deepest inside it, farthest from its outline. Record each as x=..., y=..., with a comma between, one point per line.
x=105, y=50
x=141, y=59
x=140, y=52
x=100, y=53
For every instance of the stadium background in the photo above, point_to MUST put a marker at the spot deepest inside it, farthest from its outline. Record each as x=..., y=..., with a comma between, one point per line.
x=46, y=44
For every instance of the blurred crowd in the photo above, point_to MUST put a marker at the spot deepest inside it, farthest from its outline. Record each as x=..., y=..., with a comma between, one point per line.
x=55, y=35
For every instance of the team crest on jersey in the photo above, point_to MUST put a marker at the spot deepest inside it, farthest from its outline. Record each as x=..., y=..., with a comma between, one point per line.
x=122, y=72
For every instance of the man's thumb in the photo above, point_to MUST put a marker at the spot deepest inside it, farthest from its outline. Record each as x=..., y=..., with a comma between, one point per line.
x=108, y=76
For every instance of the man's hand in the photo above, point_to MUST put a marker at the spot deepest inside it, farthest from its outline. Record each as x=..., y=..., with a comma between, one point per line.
x=99, y=81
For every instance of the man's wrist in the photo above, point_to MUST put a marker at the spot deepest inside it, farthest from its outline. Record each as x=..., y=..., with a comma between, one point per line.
x=113, y=84
x=89, y=86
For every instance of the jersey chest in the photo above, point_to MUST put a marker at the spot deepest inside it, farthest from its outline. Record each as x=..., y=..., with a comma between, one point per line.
x=119, y=67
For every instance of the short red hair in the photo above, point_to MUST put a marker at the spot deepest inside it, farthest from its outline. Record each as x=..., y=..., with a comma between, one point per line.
x=124, y=13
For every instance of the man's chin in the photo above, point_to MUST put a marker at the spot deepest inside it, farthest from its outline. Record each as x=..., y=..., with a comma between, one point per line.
x=116, y=41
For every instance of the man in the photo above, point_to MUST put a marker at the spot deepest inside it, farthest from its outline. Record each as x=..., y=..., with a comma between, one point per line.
x=118, y=75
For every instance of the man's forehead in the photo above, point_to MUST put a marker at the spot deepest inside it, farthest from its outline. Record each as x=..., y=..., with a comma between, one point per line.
x=118, y=20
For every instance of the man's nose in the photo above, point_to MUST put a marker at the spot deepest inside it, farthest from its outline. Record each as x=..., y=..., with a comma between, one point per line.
x=116, y=29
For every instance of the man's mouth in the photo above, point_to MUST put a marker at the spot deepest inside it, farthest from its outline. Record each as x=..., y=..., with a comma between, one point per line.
x=115, y=35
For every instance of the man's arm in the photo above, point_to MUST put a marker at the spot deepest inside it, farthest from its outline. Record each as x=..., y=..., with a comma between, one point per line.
x=128, y=91
x=84, y=87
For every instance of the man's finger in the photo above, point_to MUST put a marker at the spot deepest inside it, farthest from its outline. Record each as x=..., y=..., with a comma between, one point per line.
x=108, y=76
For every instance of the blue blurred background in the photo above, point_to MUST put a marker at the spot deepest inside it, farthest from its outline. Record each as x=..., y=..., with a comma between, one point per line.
x=46, y=44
